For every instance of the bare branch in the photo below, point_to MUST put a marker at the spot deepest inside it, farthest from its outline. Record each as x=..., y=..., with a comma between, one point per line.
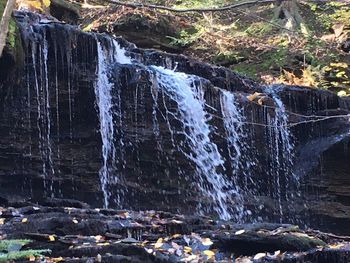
x=177, y=10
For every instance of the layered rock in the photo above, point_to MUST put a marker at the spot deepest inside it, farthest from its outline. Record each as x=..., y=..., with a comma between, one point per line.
x=85, y=120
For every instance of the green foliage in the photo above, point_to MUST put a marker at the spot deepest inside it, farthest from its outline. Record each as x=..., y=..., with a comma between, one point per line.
x=7, y=245
x=187, y=37
x=11, y=250
x=259, y=29
x=230, y=57
x=330, y=13
x=11, y=38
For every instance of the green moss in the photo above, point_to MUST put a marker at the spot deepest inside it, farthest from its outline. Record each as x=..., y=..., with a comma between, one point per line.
x=230, y=57
x=248, y=70
x=187, y=37
x=11, y=250
x=259, y=29
x=12, y=34
x=5, y=245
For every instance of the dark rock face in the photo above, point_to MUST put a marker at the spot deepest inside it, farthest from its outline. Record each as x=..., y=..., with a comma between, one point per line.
x=246, y=147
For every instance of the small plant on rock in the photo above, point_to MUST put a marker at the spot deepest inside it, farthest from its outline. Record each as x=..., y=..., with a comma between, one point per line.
x=11, y=250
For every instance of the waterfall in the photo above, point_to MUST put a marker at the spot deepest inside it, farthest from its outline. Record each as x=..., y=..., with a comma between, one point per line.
x=40, y=70
x=202, y=136
x=103, y=91
x=281, y=148
x=184, y=90
x=238, y=149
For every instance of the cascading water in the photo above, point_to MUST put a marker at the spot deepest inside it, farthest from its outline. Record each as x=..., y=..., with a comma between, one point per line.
x=40, y=70
x=167, y=138
x=103, y=91
x=182, y=89
x=281, y=148
x=238, y=150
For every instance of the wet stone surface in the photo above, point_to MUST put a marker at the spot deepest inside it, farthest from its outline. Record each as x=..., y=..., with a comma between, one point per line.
x=76, y=234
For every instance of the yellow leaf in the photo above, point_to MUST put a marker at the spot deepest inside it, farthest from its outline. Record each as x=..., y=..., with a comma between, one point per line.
x=341, y=93
x=31, y=258
x=207, y=242
x=336, y=246
x=52, y=238
x=160, y=240
x=46, y=3
x=187, y=249
x=339, y=65
x=25, y=220
x=2, y=221
x=103, y=244
x=159, y=243
x=340, y=74
x=59, y=259
x=209, y=253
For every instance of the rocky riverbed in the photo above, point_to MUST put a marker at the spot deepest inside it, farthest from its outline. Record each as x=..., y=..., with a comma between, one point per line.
x=74, y=232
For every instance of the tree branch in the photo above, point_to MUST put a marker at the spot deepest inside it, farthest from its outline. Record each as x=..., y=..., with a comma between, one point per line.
x=176, y=10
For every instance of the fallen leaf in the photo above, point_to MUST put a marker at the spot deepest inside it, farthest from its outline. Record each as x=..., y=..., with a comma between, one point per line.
x=189, y=258
x=252, y=97
x=187, y=249
x=31, y=258
x=59, y=259
x=52, y=238
x=207, y=242
x=124, y=214
x=259, y=256
x=103, y=244
x=338, y=29
x=75, y=221
x=336, y=246
x=2, y=221
x=24, y=220
x=209, y=253
x=99, y=238
x=149, y=251
x=339, y=65
x=239, y=232
x=159, y=243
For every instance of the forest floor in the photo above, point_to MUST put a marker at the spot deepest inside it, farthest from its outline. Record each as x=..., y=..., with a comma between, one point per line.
x=250, y=40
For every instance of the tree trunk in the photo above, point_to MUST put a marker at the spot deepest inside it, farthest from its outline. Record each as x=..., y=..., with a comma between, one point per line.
x=4, y=24
x=289, y=12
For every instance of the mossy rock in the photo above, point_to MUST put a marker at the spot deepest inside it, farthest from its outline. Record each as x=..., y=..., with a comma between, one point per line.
x=12, y=34
x=13, y=54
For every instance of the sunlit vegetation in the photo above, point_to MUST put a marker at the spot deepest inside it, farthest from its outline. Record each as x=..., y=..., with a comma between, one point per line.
x=12, y=250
